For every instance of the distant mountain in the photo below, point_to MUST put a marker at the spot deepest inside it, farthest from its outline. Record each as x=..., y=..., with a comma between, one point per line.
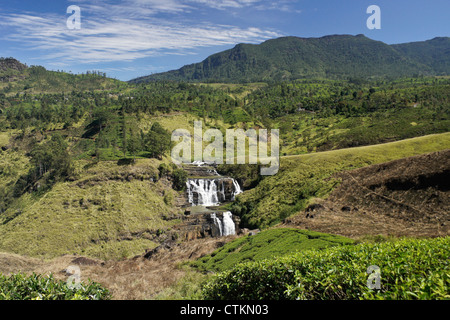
x=334, y=56
x=435, y=53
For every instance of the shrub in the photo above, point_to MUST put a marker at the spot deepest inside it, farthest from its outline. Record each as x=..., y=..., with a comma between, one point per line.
x=410, y=269
x=38, y=287
x=163, y=169
x=179, y=179
x=168, y=199
x=265, y=245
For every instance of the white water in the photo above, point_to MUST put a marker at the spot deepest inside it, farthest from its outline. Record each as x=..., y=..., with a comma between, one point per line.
x=210, y=192
x=226, y=226
x=206, y=190
x=237, y=189
x=217, y=223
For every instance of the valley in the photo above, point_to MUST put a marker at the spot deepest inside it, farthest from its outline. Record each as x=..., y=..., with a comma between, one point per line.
x=87, y=179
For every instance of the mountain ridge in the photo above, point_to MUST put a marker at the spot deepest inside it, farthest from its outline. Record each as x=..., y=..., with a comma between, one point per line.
x=331, y=56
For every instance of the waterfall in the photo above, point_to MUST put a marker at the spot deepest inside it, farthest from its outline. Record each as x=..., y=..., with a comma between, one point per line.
x=217, y=223
x=226, y=226
x=205, y=191
x=237, y=189
x=212, y=192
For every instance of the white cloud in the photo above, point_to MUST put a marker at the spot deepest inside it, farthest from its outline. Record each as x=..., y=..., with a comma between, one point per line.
x=225, y=4
x=127, y=31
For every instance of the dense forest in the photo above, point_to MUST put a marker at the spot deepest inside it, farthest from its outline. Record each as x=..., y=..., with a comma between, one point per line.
x=330, y=57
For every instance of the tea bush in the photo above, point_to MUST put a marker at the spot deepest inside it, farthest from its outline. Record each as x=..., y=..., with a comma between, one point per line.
x=410, y=269
x=38, y=287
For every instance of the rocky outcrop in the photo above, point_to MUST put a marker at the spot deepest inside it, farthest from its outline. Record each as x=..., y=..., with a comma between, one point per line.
x=199, y=170
x=202, y=225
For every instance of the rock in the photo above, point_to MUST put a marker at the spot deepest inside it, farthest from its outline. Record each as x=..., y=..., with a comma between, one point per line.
x=254, y=232
x=83, y=261
x=167, y=245
x=202, y=225
x=313, y=207
x=245, y=231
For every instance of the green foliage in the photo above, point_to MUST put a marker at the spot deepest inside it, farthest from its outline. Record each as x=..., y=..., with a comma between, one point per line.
x=179, y=178
x=157, y=141
x=51, y=163
x=38, y=287
x=267, y=244
x=134, y=144
x=249, y=175
x=410, y=269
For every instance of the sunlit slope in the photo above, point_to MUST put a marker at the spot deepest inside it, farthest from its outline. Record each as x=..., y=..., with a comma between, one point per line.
x=304, y=177
x=109, y=212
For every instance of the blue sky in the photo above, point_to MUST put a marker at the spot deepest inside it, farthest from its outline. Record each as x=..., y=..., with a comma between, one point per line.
x=132, y=38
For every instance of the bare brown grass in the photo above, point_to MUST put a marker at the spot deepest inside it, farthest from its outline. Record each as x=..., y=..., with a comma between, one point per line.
x=406, y=197
x=137, y=278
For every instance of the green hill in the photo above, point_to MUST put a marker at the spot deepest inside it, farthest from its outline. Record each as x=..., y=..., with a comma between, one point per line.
x=305, y=177
x=106, y=211
x=434, y=53
x=334, y=56
x=16, y=77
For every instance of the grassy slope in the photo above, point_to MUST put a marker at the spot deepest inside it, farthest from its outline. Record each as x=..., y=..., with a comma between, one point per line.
x=101, y=214
x=306, y=133
x=267, y=244
x=302, y=178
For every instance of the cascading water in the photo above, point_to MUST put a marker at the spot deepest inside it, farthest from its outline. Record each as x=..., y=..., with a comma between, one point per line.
x=226, y=227
x=202, y=192
x=212, y=192
x=217, y=223
x=237, y=189
x=228, y=224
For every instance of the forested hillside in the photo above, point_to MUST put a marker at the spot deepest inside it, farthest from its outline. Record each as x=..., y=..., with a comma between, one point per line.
x=331, y=57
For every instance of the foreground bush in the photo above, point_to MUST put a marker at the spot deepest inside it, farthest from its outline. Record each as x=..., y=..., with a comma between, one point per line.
x=37, y=287
x=410, y=269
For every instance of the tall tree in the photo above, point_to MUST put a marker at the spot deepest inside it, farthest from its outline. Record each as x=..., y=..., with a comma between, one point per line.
x=157, y=141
